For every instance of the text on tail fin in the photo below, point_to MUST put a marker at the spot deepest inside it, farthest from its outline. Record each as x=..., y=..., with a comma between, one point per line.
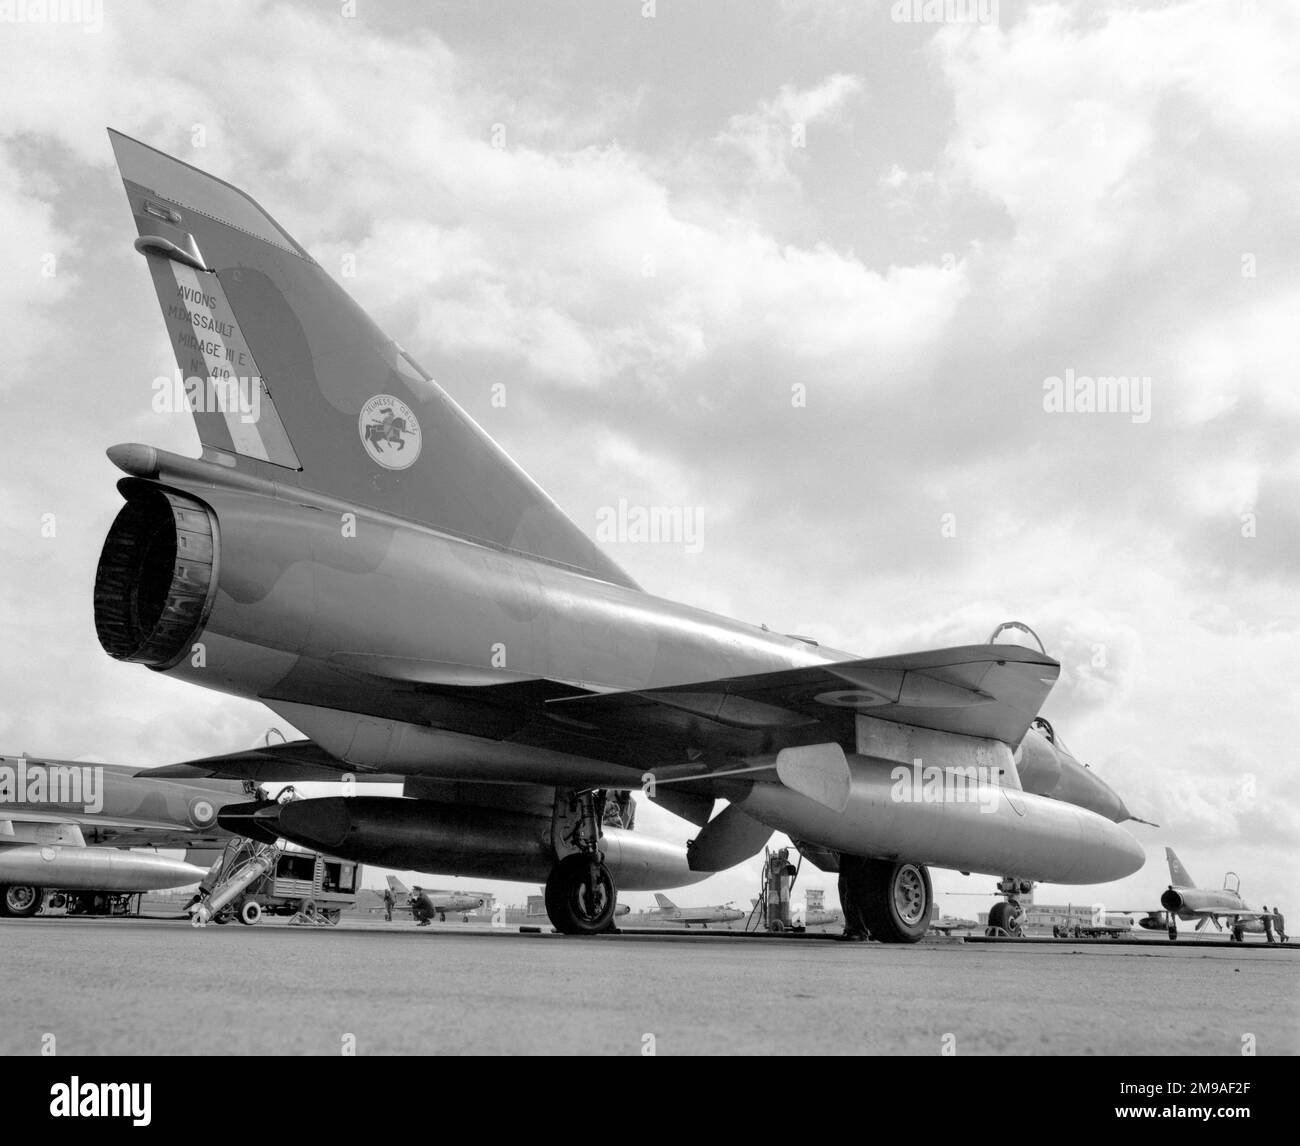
x=1178, y=875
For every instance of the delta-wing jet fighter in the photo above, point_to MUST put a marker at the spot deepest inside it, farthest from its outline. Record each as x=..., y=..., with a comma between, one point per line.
x=352, y=550
x=67, y=827
x=1184, y=900
x=439, y=903
x=723, y=913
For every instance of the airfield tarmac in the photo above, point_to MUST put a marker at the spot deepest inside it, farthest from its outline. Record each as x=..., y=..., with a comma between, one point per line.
x=161, y=987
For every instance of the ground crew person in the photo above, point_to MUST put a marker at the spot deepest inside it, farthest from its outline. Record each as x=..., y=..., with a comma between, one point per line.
x=855, y=924
x=1279, y=921
x=421, y=910
x=1268, y=924
x=389, y=900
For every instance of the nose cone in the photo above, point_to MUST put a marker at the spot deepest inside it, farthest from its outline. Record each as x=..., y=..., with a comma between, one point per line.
x=1082, y=786
x=254, y=821
x=159, y=872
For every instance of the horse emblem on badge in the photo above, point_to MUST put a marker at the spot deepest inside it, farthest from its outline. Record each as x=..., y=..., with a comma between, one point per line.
x=389, y=431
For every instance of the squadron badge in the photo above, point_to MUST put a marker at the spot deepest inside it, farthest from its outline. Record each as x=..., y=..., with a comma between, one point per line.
x=389, y=431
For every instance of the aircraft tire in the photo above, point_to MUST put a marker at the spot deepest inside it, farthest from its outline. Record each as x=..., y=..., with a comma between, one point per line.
x=1002, y=915
x=896, y=899
x=1173, y=934
x=21, y=901
x=573, y=905
x=250, y=912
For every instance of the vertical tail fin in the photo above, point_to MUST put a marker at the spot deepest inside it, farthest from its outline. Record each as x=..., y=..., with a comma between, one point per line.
x=1177, y=873
x=396, y=886
x=664, y=902
x=288, y=378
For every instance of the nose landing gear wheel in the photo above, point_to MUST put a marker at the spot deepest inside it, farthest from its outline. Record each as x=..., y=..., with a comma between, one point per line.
x=576, y=903
x=1006, y=916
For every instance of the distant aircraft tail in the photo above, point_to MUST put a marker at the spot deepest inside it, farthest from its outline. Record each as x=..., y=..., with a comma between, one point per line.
x=664, y=902
x=1177, y=873
x=396, y=886
x=288, y=378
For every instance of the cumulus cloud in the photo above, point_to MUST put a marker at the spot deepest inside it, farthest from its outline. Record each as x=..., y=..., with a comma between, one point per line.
x=770, y=137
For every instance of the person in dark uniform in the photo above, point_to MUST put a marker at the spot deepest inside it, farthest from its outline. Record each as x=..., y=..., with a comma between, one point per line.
x=1279, y=923
x=1267, y=917
x=389, y=900
x=855, y=924
x=422, y=911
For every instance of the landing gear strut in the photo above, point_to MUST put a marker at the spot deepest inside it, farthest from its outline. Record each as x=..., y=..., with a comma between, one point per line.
x=580, y=892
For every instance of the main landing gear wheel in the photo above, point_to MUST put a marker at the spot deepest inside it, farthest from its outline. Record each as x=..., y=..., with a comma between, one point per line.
x=250, y=912
x=21, y=900
x=1173, y=932
x=1006, y=915
x=895, y=899
x=577, y=903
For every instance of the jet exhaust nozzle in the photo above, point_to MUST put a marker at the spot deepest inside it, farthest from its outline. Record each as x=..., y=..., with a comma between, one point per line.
x=156, y=578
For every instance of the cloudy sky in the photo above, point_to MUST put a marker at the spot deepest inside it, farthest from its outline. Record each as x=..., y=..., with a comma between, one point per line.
x=806, y=269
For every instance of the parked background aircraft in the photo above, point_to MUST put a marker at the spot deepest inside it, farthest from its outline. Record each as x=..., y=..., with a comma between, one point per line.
x=437, y=903
x=1088, y=924
x=1184, y=900
x=948, y=924
x=353, y=551
x=723, y=913
x=68, y=827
